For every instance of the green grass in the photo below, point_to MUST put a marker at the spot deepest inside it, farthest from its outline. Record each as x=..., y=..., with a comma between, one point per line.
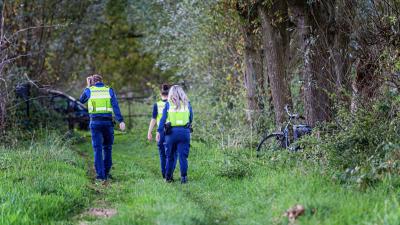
x=41, y=182
x=232, y=188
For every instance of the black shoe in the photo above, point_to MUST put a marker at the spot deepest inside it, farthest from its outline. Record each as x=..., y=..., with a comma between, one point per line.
x=184, y=180
x=170, y=180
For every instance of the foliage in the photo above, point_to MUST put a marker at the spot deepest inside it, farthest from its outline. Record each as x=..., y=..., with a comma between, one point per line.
x=59, y=43
x=43, y=181
x=117, y=53
x=364, y=145
x=201, y=41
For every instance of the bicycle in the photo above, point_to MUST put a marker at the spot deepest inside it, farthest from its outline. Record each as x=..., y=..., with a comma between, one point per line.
x=281, y=139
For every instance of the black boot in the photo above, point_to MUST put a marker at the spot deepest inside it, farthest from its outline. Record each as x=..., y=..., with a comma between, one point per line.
x=170, y=180
x=184, y=180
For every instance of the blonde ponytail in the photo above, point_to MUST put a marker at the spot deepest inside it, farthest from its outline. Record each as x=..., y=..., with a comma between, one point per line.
x=178, y=97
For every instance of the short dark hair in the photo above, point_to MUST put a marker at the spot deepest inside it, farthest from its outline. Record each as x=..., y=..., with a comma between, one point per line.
x=97, y=78
x=165, y=89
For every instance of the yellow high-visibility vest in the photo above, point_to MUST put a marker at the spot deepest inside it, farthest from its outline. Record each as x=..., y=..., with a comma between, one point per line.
x=100, y=100
x=178, y=117
x=160, y=108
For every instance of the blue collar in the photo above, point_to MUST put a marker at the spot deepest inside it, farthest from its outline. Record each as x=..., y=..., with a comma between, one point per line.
x=99, y=84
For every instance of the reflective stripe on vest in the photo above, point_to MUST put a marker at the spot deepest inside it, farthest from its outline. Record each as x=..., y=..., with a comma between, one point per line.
x=178, y=117
x=100, y=100
x=160, y=108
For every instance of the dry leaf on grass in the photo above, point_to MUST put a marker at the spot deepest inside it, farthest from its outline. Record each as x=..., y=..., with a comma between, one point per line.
x=294, y=212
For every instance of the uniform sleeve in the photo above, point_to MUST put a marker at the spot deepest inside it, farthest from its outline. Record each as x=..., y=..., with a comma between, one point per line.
x=190, y=113
x=115, y=106
x=155, y=111
x=163, y=118
x=85, y=96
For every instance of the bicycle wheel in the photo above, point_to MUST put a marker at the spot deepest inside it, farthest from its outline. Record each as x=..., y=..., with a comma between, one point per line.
x=272, y=142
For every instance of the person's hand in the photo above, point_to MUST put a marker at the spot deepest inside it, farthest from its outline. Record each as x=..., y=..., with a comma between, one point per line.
x=158, y=137
x=149, y=136
x=89, y=81
x=122, y=126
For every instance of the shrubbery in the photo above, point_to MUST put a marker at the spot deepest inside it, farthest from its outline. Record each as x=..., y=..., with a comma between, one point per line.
x=360, y=148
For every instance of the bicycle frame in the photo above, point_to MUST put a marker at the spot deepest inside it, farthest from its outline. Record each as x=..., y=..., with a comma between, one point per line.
x=286, y=138
x=284, y=135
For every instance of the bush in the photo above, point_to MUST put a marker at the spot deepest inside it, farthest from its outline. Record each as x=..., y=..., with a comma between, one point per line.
x=43, y=181
x=375, y=169
x=363, y=147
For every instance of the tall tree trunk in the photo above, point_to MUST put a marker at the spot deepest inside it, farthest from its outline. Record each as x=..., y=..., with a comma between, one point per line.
x=3, y=91
x=342, y=68
x=252, y=73
x=372, y=42
x=3, y=86
x=344, y=14
x=314, y=23
x=275, y=39
x=267, y=85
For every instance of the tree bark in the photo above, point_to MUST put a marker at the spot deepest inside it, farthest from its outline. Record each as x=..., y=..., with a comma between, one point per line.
x=344, y=14
x=252, y=73
x=3, y=86
x=2, y=104
x=365, y=84
x=372, y=41
x=275, y=39
x=314, y=23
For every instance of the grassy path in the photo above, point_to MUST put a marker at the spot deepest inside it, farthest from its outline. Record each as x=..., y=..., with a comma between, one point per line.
x=140, y=196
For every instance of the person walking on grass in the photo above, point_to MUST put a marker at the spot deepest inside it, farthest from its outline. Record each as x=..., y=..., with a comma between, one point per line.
x=102, y=102
x=157, y=113
x=176, y=122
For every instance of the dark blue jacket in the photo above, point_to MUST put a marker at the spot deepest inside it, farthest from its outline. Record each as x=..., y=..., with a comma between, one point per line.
x=117, y=112
x=165, y=114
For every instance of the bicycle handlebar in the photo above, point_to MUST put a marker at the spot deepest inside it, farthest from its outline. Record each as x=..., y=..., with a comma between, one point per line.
x=291, y=116
x=287, y=110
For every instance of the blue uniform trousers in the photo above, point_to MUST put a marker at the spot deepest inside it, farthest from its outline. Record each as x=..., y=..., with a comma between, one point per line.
x=102, y=140
x=163, y=156
x=177, y=142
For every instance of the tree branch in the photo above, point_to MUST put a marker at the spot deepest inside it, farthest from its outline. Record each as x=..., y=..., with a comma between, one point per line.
x=37, y=27
x=4, y=62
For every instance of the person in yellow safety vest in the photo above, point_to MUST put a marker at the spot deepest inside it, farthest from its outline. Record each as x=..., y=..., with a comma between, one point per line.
x=157, y=113
x=102, y=102
x=176, y=122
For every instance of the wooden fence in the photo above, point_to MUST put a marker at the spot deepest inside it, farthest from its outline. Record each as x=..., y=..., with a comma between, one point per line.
x=134, y=109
